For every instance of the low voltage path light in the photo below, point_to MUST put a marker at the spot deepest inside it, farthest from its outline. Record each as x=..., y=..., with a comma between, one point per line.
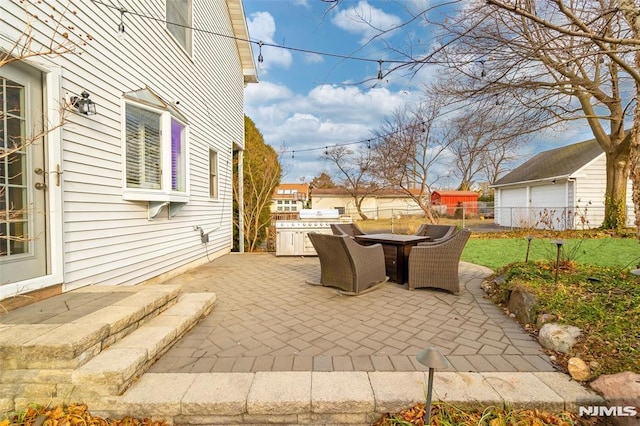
x=430, y=357
x=558, y=244
x=529, y=238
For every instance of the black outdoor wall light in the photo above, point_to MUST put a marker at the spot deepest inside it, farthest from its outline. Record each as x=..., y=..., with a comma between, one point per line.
x=83, y=104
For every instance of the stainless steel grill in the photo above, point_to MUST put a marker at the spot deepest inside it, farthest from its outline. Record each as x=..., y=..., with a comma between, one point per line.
x=291, y=235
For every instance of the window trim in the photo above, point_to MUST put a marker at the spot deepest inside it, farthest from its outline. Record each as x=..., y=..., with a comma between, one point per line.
x=165, y=193
x=215, y=197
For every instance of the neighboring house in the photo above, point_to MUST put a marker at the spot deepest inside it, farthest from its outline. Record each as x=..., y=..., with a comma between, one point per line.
x=381, y=204
x=563, y=188
x=121, y=197
x=290, y=197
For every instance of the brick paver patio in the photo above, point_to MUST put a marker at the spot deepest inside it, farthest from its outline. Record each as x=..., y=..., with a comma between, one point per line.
x=267, y=318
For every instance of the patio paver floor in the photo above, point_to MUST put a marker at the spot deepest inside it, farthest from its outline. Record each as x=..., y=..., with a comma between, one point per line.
x=267, y=318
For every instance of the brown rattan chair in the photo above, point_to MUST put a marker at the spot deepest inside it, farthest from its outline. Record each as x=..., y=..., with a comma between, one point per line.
x=347, y=265
x=350, y=229
x=436, y=265
x=436, y=232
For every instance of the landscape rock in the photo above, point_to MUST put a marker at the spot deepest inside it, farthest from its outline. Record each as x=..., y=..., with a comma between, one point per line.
x=578, y=369
x=558, y=337
x=545, y=318
x=620, y=390
x=522, y=304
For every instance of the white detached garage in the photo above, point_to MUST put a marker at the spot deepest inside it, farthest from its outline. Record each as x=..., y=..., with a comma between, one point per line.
x=563, y=188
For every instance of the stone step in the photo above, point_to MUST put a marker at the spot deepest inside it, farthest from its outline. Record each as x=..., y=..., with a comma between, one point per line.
x=112, y=371
x=320, y=398
x=68, y=346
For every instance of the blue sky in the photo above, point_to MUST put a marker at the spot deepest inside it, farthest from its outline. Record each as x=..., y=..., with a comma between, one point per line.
x=307, y=101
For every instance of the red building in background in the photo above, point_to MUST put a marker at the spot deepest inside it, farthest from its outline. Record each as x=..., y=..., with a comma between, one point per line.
x=455, y=199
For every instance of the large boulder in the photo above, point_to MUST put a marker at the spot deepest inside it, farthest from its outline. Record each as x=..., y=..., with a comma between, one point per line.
x=621, y=390
x=558, y=337
x=522, y=305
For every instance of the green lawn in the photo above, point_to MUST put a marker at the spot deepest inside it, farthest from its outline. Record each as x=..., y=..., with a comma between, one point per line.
x=607, y=252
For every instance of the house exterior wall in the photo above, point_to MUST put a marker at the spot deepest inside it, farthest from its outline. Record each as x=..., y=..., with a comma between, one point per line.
x=105, y=239
x=575, y=202
x=344, y=203
x=381, y=207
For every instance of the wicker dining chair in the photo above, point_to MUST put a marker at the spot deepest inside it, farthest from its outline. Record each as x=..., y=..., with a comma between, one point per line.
x=436, y=232
x=436, y=265
x=347, y=265
x=350, y=229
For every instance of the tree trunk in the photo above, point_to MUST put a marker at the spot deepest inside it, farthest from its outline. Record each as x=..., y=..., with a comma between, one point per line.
x=359, y=208
x=634, y=155
x=615, y=202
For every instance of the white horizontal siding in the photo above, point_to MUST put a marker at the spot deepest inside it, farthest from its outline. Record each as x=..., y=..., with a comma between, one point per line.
x=109, y=240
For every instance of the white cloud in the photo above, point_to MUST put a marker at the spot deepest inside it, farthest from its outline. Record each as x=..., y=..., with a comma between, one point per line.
x=265, y=92
x=304, y=3
x=262, y=27
x=313, y=58
x=325, y=116
x=366, y=20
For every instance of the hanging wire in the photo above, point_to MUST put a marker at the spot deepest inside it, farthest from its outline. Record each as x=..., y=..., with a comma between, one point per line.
x=260, y=44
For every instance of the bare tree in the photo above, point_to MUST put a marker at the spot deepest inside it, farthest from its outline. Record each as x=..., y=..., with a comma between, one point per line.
x=483, y=145
x=552, y=61
x=548, y=77
x=612, y=29
x=410, y=146
x=355, y=173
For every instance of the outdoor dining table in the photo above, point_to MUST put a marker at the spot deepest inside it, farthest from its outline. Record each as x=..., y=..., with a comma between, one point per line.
x=396, y=252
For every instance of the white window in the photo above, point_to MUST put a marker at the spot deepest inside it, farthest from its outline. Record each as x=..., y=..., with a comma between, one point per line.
x=213, y=174
x=156, y=142
x=178, y=14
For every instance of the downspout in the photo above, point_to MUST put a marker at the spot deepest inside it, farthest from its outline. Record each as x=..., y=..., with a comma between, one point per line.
x=240, y=184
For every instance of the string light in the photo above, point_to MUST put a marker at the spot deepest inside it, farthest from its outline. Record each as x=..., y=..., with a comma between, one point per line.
x=260, y=44
x=121, y=32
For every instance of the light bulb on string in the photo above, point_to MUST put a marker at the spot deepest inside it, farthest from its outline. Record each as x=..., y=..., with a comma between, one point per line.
x=121, y=29
x=380, y=69
x=260, y=57
x=326, y=150
x=293, y=154
x=368, y=143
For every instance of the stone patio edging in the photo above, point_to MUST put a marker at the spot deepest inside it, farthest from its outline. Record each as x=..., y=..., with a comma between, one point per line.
x=312, y=397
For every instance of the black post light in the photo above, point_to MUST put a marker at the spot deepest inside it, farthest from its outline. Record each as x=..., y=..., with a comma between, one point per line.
x=83, y=104
x=432, y=358
x=558, y=244
x=529, y=238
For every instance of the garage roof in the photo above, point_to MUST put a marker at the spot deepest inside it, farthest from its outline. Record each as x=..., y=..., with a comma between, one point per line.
x=553, y=163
